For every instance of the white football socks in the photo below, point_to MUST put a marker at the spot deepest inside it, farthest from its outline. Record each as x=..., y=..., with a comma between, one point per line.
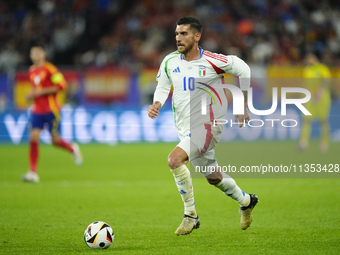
x=184, y=184
x=230, y=188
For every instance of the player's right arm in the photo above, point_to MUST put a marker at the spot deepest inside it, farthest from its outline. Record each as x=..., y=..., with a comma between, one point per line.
x=42, y=92
x=153, y=109
x=162, y=89
x=326, y=76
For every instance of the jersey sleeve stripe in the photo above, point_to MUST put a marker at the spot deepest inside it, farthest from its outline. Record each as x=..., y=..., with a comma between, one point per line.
x=216, y=56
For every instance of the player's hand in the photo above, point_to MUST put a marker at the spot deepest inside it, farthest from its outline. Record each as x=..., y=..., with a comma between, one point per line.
x=153, y=110
x=317, y=96
x=35, y=93
x=241, y=118
x=30, y=96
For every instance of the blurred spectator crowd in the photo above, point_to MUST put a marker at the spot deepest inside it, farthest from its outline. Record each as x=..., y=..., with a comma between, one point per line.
x=134, y=34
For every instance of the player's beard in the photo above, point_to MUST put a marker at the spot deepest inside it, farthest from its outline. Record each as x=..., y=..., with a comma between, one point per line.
x=187, y=48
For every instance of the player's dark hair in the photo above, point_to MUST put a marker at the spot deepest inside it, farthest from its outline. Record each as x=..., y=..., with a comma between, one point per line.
x=40, y=46
x=192, y=21
x=311, y=53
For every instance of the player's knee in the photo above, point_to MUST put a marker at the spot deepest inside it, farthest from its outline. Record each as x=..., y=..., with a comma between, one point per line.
x=34, y=136
x=174, y=162
x=214, y=177
x=34, y=139
x=55, y=140
x=214, y=180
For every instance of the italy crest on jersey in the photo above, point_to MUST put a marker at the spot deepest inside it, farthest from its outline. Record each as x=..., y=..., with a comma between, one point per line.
x=201, y=71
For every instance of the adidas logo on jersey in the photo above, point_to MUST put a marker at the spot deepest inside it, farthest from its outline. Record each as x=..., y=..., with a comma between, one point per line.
x=176, y=70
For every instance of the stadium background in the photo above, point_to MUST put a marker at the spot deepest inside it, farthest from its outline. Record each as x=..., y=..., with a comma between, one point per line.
x=109, y=52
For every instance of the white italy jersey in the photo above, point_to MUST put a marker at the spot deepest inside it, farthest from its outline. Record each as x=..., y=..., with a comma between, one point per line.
x=192, y=79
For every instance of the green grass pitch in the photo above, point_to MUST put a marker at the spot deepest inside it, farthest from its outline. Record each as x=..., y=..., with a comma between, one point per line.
x=130, y=187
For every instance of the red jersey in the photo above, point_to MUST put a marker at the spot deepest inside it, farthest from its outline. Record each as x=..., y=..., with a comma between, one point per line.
x=46, y=76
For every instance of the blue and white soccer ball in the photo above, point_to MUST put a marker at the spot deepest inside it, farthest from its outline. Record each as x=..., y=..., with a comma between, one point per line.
x=98, y=235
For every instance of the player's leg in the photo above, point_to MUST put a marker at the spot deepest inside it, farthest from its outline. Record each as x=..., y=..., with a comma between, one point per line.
x=54, y=126
x=305, y=134
x=324, y=144
x=73, y=148
x=206, y=158
x=34, y=149
x=227, y=185
x=37, y=124
x=246, y=201
x=224, y=183
x=306, y=126
x=202, y=152
x=324, y=108
x=177, y=161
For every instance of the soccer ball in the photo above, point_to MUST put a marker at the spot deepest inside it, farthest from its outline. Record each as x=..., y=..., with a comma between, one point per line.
x=98, y=235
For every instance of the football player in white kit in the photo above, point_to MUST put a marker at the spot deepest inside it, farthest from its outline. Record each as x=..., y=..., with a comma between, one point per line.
x=189, y=67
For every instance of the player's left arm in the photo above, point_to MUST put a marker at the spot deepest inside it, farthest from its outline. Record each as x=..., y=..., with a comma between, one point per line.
x=238, y=67
x=245, y=117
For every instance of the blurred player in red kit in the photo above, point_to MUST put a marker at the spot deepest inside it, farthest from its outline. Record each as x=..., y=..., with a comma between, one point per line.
x=46, y=81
